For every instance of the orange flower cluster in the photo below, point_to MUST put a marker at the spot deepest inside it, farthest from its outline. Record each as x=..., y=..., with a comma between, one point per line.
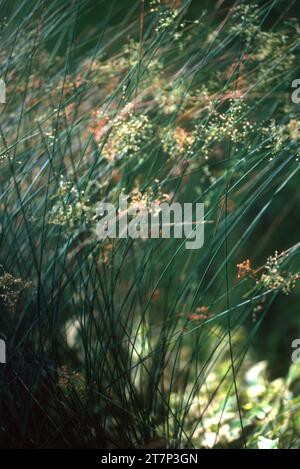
x=173, y=3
